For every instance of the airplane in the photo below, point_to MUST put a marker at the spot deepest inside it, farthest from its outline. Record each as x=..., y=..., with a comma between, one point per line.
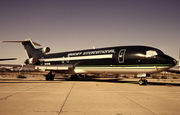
x=138, y=60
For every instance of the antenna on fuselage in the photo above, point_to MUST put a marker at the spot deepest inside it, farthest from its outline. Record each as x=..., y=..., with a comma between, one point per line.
x=94, y=47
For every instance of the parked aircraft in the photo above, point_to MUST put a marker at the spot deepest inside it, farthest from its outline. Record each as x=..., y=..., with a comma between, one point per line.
x=140, y=60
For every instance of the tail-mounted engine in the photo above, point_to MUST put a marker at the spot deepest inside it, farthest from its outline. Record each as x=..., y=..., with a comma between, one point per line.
x=30, y=61
x=36, y=54
x=45, y=50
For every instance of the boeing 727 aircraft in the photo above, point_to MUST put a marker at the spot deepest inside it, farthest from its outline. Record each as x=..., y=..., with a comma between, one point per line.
x=140, y=60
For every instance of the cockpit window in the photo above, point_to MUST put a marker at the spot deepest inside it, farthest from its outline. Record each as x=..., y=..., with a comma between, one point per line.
x=154, y=52
x=151, y=53
x=159, y=52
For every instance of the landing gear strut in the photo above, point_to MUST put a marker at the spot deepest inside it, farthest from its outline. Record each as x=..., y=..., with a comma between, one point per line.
x=143, y=81
x=49, y=76
x=74, y=77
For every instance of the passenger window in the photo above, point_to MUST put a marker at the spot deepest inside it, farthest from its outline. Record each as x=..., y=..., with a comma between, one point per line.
x=151, y=53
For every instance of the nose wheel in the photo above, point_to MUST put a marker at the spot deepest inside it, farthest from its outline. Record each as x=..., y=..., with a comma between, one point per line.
x=143, y=81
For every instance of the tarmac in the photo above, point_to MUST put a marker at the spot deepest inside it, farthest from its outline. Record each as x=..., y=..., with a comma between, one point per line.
x=97, y=96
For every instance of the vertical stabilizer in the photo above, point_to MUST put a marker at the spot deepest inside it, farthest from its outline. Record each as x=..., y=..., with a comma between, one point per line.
x=29, y=48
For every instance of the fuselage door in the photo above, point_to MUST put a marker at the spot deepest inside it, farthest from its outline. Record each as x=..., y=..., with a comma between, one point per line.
x=121, y=55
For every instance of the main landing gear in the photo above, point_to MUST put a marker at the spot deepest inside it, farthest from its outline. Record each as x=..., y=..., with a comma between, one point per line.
x=143, y=81
x=49, y=76
x=74, y=77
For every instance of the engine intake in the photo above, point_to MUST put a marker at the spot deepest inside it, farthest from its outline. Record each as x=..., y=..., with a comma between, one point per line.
x=45, y=50
x=31, y=61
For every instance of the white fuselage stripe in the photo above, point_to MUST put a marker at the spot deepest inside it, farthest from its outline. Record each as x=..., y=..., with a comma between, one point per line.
x=119, y=70
x=78, y=58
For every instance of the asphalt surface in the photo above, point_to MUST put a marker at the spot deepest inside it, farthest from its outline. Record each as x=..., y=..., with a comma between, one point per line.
x=35, y=96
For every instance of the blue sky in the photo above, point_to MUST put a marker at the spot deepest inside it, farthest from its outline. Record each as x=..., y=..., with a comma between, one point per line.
x=67, y=25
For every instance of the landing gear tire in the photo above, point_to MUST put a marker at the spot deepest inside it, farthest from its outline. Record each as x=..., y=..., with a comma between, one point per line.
x=49, y=76
x=143, y=81
x=74, y=77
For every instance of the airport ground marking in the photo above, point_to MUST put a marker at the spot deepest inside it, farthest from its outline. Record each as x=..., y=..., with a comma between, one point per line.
x=66, y=99
x=5, y=98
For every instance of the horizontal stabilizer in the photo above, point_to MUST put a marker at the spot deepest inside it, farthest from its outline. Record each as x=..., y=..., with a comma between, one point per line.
x=8, y=59
x=22, y=42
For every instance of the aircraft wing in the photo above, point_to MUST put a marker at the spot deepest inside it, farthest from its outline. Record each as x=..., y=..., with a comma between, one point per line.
x=53, y=67
x=15, y=65
x=40, y=67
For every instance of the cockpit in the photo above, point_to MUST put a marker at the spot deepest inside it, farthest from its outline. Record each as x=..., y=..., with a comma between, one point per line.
x=151, y=53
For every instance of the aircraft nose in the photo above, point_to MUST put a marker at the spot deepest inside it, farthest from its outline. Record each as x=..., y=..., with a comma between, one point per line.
x=175, y=62
x=169, y=60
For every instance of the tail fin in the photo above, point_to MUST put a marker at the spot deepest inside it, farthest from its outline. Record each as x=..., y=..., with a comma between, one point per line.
x=30, y=48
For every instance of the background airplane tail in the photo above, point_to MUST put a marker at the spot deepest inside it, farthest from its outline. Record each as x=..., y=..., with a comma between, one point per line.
x=33, y=53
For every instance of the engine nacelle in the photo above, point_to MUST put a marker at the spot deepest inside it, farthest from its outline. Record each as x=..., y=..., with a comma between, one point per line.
x=45, y=50
x=31, y=61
